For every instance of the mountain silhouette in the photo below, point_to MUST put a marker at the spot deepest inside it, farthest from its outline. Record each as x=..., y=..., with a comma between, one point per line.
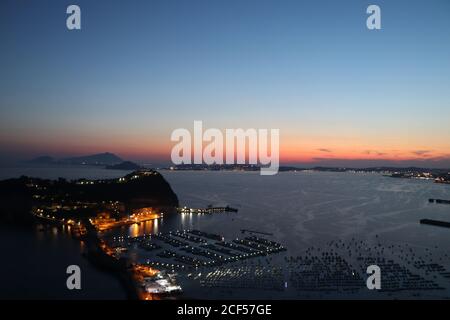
x=106, y=158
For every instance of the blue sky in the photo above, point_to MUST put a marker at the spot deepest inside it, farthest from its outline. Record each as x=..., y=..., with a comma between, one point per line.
x=139, y=69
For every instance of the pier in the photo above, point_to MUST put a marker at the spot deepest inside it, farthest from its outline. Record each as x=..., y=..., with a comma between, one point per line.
x=440, y=201
x=208, y=210
x=258, y=232
x=435, y=223
x=192, y=249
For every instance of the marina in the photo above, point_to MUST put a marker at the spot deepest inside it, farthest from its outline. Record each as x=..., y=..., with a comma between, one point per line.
x=203, y=261
x=202, y=250
x=208, y=210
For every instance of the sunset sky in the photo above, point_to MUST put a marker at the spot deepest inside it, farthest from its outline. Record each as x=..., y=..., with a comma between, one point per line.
x=339, y=93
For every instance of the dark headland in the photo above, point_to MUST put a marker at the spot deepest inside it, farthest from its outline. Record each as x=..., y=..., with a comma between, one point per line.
x=83, y=198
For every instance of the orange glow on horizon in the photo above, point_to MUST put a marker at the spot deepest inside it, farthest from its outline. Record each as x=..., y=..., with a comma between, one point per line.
x=293, y=149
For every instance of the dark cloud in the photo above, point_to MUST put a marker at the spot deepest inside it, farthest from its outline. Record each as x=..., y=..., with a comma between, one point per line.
x=437, y=162
x=324, y=150
x=374, y=152
x=421, y=153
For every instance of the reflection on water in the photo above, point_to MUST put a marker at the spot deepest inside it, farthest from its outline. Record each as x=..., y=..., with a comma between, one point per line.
x=155, y=226
x=168, y=223
x=186, y=220
x=37, y=263
x=134, y=230
x=146, y=227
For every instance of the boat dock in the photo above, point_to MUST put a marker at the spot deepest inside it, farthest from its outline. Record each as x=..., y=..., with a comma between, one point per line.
x=435, y=223
x=207, y=210
x=258, y=232
x=440, y=201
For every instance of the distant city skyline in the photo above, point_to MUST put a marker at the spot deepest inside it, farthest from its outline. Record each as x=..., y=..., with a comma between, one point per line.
x=340, y=94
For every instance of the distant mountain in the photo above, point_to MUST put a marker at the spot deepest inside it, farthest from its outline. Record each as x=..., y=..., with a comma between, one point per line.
x=95, y=159
x=42, y=160
x=139, y=189
x=126, y=165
